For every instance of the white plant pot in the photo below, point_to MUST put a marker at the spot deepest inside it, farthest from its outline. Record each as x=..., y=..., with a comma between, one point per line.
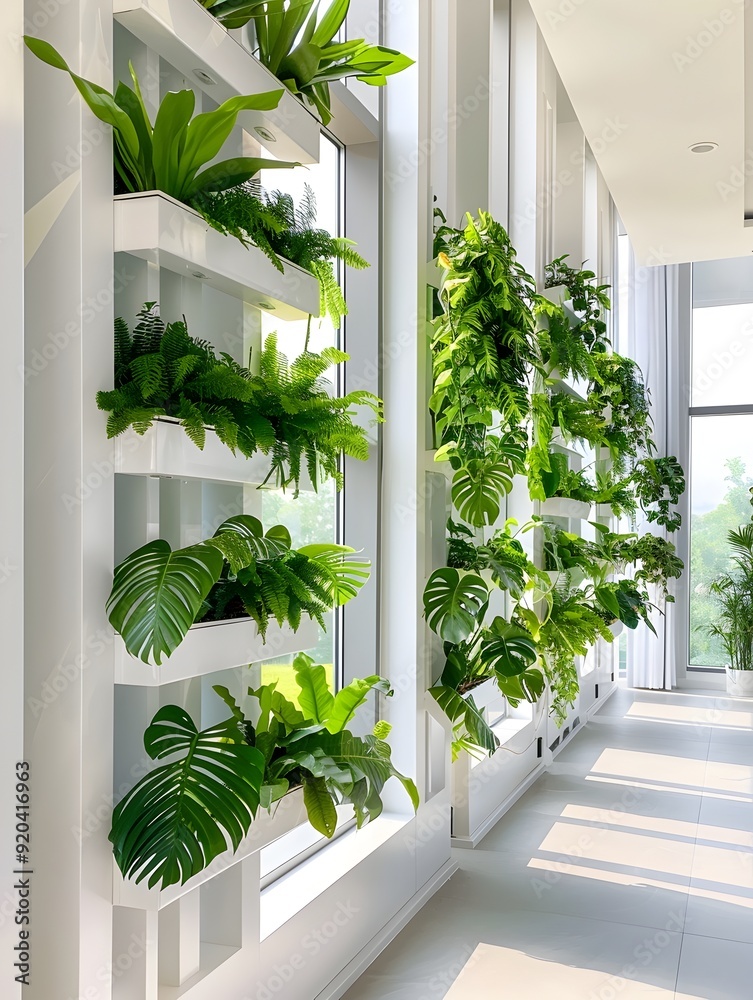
x=739, y=683
x=288, y=813
x=617, y=628
x=575, y=510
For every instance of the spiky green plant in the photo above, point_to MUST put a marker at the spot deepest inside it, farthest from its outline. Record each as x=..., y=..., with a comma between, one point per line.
x=285, y=411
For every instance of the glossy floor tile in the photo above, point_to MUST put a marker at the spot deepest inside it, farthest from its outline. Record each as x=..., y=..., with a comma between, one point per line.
x=626, y=871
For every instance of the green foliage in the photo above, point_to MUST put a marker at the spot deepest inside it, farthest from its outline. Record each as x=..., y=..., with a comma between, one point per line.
x=620, y=393
x=303, y=51
x=589, y=300
x=159, y=594
x=285, y=411
x=484, y=342
x=202, y=802
x=564, y=352
x=568, y=629
x=168, y=155
x=656, y=561
x=480, y=483
x=185, y=813
x=710, y=557
x=733, y=591
x=659, y=484
x=453, y=602
x=279, y=228
x=503, y=554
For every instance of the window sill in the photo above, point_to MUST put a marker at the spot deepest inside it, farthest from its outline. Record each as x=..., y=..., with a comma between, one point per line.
x=282, y=900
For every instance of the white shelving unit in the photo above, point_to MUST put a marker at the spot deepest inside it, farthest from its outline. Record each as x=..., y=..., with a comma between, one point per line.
x=188, y=37
x=212, y=647
x=165, y=450
x=161, y=230
x=267, y=827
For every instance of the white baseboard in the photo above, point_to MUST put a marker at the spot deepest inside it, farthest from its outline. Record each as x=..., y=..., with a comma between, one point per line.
x=468, y=843
x=357, y=966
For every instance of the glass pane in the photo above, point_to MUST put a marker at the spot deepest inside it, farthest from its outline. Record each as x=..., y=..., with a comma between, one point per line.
x=722, y=355
x=312, y=517
x=721, y=476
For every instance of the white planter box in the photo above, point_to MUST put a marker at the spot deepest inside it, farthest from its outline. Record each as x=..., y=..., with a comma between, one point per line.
x=287, y=814
x=739, y=683
x=188, y=37
x=160, y=229
x=577, y=388
x=617, y=628
x=575, y=510
x=166, y=450
x=212, y=647
x=576, y=575
x=557, y=294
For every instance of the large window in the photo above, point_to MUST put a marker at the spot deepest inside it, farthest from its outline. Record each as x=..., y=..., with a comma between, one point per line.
x=721, y=415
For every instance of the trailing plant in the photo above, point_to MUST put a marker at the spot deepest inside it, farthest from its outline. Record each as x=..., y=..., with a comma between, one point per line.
x=656, y=561
x=620, y=392
x=171, y=154
x=502, y=555
x=483, y=345
x=202, y=802
x=303, y=50
x=626, y=601
x=564, y=351
x=283, y=230
x=659, y=484
x=569, y=627
x=158, y=593
x=455, y=606
x=589, y=300
x=285, y=411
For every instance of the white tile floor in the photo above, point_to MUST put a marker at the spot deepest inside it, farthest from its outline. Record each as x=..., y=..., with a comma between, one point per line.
x=626, y=871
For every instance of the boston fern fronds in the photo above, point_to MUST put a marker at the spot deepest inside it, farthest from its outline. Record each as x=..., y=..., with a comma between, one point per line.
x=169, y=154
x=240, y=572
x=588, y=299
x=285, y=231
x=285, y=411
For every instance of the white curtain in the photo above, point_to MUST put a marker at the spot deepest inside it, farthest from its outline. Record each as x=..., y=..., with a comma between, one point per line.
x=654, y=341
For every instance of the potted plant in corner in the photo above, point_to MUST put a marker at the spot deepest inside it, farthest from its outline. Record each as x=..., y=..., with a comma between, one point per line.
x=734, y=628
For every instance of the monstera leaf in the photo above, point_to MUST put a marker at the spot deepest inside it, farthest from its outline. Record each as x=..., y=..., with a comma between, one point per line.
x=508, y=649
x=157, y=594
x=478, y=488
x=184, y=814
x=467, y=719
x=453, y=603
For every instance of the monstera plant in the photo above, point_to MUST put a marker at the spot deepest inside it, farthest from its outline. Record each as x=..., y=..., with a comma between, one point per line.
x=158, y=593
x=203, y=800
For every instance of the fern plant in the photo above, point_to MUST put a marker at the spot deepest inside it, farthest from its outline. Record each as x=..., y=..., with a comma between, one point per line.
x=283, y=230
x=285, y=411
x=158, y=593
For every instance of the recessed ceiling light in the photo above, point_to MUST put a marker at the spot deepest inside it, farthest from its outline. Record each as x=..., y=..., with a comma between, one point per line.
x=703, y=147
x=198, y=274
x=203, y=77
x=264, y=133
x=266, y=305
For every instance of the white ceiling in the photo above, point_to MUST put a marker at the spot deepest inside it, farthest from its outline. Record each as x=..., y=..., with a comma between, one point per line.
x=647, y=78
